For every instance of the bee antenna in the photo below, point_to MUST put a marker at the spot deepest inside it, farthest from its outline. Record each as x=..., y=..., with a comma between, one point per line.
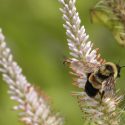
x=122, y=66
x=119, y=69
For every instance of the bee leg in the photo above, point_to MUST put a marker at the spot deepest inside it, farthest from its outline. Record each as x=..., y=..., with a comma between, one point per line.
x=102, y=95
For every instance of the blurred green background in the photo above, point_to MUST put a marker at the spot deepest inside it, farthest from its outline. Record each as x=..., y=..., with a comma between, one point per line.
x=34, y=32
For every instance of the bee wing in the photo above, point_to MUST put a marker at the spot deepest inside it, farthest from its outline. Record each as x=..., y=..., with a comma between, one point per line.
x=80, y=67
x=108, y=86
x=90, y=67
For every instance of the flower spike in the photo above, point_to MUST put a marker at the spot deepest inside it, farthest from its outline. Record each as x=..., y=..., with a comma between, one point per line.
x=82, y=55
x=33, y=106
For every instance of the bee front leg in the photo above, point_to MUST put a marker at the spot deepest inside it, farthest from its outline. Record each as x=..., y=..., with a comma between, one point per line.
x=101, y=95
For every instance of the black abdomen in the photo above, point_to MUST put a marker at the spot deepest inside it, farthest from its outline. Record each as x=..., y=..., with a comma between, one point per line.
x=90, y=90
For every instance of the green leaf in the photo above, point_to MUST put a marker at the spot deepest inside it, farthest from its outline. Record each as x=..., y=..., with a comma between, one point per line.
x=109, y=14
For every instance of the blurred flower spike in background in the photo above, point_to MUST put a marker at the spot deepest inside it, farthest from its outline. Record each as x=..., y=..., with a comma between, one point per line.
x=111, y=13
x=34, y=108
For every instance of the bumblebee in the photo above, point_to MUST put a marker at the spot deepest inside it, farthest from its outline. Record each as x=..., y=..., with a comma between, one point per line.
x=102, y=80
x=100, y=77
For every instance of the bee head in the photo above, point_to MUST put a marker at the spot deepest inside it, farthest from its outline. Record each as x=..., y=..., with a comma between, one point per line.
x=108, y=69
x=112, y=69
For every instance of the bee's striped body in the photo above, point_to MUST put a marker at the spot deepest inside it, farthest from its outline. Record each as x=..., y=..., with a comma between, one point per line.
x=105, y=74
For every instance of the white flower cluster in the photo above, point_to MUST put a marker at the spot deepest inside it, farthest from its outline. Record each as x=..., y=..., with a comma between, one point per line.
x=34, y=108
x=78, y=42
x=81, y=48
x=101, y=112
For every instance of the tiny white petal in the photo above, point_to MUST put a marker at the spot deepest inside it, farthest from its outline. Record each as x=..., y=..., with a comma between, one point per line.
x=2, y=38
x=3, y=45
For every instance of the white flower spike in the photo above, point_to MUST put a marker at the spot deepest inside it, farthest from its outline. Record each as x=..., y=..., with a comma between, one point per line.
x=101, y=112
x=33, y=106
